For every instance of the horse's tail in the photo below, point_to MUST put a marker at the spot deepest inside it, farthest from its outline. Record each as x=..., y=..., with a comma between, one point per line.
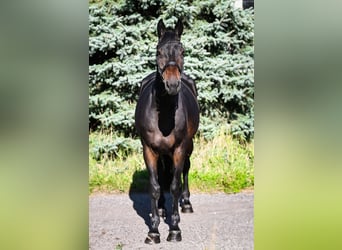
x=165, y=172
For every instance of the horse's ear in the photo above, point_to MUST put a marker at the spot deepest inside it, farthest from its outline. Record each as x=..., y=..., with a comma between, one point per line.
x=179, y=28
x=161, y=28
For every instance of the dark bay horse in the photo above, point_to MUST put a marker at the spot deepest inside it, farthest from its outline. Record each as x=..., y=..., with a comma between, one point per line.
x=167, y=118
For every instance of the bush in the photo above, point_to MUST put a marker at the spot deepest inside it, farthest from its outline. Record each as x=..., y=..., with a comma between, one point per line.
x=218, y=41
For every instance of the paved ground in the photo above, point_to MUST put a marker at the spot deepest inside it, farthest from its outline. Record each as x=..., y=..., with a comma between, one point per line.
x=219, y=221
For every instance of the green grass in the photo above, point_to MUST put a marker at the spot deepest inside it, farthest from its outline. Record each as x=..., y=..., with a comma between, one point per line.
x=221, y=164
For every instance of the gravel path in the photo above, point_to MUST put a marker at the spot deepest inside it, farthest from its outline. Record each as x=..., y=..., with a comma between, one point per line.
x=219, y=221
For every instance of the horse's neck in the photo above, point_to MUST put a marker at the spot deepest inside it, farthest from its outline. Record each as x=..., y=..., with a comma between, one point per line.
x=167, y=107
x=166, y=103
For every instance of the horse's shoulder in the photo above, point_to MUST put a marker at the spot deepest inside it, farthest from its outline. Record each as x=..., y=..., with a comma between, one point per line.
x=190, y=83
x=147, y=81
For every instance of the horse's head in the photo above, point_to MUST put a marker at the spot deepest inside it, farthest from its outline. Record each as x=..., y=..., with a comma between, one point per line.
x=170, y=54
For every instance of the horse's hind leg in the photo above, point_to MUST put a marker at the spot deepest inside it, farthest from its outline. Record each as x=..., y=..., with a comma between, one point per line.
x=185, y=200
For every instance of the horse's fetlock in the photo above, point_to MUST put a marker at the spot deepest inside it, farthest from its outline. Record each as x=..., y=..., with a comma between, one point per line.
x=175, y=219
x=155, y=221
x=186, y=195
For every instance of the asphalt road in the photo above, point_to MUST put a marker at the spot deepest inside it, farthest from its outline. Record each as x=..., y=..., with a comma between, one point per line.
x=219, y=221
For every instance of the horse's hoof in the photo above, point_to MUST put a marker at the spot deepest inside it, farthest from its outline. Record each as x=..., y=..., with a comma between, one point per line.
x=152, y=238
x=162, y=212
x=187, y=208
x=174, y=236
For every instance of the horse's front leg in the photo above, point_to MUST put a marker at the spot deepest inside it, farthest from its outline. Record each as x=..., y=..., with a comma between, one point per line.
x=151, y=159
x=178, y=161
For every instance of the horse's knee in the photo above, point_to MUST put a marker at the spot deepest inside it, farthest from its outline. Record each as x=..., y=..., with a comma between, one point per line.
x=175, y=187
x=155, y=191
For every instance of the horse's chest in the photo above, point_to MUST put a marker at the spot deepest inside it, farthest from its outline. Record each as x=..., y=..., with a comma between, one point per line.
x=162, y=143
x=164, y=138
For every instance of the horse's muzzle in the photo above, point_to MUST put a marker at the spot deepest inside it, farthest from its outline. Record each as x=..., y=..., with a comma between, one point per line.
x=171, y=75
x=172, y=87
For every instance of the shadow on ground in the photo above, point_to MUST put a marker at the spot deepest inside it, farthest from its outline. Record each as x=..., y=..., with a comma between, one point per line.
x=140, y=197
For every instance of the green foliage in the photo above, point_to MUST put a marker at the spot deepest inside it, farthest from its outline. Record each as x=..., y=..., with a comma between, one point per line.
x=219, y=45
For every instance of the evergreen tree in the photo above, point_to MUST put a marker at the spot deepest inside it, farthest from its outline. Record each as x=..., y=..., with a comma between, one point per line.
x=219, y=56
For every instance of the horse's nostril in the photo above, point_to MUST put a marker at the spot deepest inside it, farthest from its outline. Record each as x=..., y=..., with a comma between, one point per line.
x=167, y=84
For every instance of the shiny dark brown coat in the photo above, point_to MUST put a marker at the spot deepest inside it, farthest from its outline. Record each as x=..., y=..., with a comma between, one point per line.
x=167, y=118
